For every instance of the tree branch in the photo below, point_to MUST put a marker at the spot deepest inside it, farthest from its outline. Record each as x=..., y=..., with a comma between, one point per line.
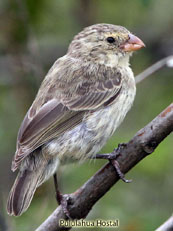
x=167, y=226
x=168, y=62
x=143, y=143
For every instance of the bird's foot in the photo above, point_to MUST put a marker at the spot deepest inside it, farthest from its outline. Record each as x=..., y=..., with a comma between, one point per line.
x=61, y=199
x=112, y=158
x=120, y=147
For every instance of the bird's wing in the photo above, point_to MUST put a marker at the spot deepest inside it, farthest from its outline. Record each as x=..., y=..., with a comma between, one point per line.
x=60, y=115
x=52, y=119
x=91, y=96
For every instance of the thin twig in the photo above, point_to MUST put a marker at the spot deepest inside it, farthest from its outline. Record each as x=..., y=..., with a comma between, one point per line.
x=167, y=226
x=141, y=145
x=168, y=61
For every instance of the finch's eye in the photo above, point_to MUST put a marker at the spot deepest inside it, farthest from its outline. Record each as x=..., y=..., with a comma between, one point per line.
x=110, y=40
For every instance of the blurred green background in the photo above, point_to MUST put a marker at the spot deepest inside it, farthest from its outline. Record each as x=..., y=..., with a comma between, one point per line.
x=33, y=34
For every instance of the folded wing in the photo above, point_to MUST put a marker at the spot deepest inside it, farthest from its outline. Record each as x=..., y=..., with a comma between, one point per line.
x=61, y=114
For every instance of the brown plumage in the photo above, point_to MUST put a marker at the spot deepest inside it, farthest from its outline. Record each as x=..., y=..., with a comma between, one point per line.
x=82, y=100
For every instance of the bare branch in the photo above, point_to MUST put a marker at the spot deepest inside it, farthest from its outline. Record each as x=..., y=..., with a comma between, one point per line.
x=167, y=226
x=168, y=61
x=143, y=143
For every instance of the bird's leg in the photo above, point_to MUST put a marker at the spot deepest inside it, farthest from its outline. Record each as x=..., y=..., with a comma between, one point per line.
x=61, y=199
x=112, y=158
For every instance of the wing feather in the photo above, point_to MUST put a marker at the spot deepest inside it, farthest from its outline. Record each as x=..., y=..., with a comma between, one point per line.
x=52, y=122
x=93, y=96
x=62, y=113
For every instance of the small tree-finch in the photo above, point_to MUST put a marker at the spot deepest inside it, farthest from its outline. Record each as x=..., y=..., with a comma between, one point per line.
x=82, y=100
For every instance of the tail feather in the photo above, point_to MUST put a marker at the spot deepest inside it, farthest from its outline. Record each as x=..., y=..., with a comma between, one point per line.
x=33, y=172
x=22, y=191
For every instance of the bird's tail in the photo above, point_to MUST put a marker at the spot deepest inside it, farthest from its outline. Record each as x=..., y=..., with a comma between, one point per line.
x=22, y=191
x=34, y=170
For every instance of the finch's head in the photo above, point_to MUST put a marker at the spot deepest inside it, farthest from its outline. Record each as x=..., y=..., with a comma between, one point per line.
x=104, y=42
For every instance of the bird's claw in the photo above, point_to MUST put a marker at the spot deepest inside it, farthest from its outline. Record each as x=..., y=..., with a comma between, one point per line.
x=63, y=201
x=64, y=205
x=116, y=165
x=119, y=148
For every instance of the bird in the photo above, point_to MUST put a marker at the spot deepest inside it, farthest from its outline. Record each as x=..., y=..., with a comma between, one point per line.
x=82, y=100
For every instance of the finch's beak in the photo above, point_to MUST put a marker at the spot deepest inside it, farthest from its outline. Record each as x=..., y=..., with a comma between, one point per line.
x=133, y=44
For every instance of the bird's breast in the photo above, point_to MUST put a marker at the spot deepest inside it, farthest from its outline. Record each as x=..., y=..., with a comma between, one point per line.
x=105, y=121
